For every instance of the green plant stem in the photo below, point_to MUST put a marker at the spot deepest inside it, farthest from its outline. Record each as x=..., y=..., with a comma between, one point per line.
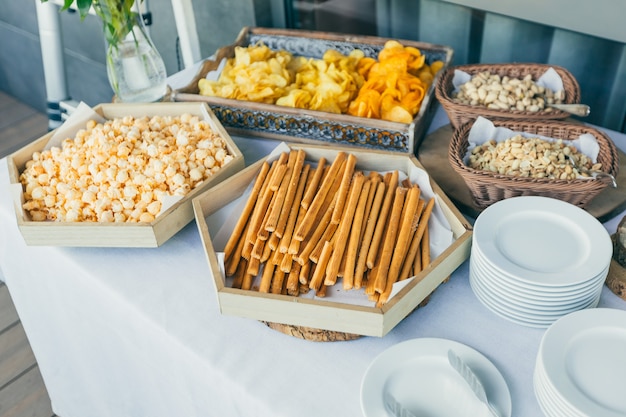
x=117, y=17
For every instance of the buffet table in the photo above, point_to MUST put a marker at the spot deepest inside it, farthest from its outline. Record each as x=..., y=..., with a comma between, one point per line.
x=138, y=332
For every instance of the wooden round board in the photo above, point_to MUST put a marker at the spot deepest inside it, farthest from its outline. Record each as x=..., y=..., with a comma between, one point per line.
x=616, y=279
x=309, y=333
x=433, y=155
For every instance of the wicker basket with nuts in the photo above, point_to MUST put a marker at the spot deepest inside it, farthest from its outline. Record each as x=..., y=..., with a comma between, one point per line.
x=531, y=165
x=505, y=91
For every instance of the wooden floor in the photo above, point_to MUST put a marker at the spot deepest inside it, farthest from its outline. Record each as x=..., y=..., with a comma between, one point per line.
x=19, y=124
x=22, y=391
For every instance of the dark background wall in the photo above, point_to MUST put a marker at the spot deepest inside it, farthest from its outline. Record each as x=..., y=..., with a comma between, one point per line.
x=477, y=35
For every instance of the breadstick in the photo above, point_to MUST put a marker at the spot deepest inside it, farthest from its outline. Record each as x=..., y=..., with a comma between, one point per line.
x=266, y=278
x=278, y=202
x=405, y=233
x=390, y=239
x=371, y=280
x=423, y=222
x=246, y=212
x=372, y=218
x=402, y=242
x=321, y=293
x=355, y=237
x=408, y=268
x=231, y=264
x=374, y=179
x=294, y=247
x=280, y=171
x=311, y=272
x=425, y=245
x=267, y=252
x=273, y=242
x=382, y=219
x=312, y=189
x=327, y=205
x=317, y=280
x=417, y=263
x=419, y=232
x=260, y=209
x=292, y=190
x=343, y=233
x=277, y=281
x=293, y=279
x=239, y=274
x=254, y=265
x=320, y=196
x=257, y=250
x=315, y=239
x=305, y=273
x=296, y=208
x=287, y=264
x=250, y=236
x=342, y=263
x=344, y=188
x=322, y=220
x=276, y=258
x=329, y=234
x=246, y=284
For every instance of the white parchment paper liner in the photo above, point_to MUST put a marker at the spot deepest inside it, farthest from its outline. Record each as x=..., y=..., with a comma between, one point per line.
x=440, y=235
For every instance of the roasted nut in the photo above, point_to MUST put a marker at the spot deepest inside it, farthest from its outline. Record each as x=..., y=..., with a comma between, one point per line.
x=531, y=158
x=505, y=93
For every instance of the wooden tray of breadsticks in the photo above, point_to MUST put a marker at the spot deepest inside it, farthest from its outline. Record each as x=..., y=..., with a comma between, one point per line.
x=329, y=239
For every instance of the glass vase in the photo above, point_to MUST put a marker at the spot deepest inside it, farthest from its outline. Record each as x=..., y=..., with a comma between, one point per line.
x=135, y=68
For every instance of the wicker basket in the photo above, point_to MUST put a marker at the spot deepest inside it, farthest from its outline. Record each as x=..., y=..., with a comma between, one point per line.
x=487, y=187
x=461, y=113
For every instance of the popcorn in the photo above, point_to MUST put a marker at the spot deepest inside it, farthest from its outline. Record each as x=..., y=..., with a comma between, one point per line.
x=121, y=170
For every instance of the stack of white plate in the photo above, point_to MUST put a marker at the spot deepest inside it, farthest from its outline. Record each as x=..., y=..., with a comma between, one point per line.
x=581, y=366
x=536, y=259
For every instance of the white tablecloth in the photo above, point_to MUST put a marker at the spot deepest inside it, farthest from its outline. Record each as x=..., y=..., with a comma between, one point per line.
x=138, y=332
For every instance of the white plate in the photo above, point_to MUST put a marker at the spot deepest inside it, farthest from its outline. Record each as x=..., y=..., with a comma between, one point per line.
x=551, y=290
x=552, y=404
x=543, y=241
x=583, y=358
x=417, y=373
x=509, y=302
x=525, y=319
x=554, y=301
x=549, y=404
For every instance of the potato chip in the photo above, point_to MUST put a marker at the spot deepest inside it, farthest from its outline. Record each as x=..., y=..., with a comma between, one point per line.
x=436, y=66
x=391, y=87
x=295, y=98
x=367, y=104
x=396, y=83
x=257, y=73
